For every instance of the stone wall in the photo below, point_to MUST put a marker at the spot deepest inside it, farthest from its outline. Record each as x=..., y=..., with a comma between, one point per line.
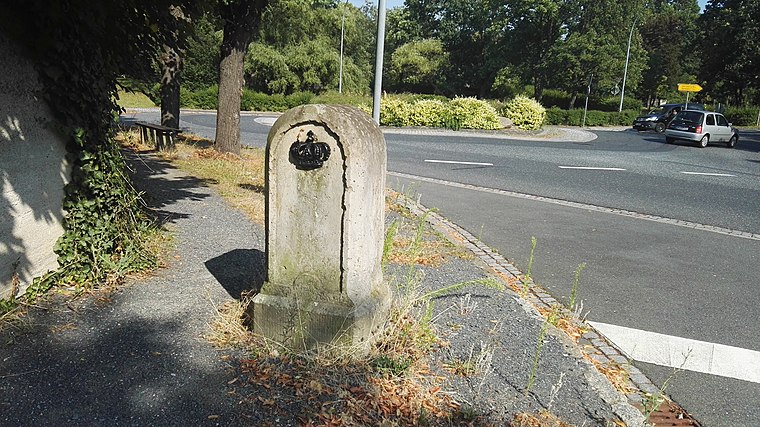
x=33, y=172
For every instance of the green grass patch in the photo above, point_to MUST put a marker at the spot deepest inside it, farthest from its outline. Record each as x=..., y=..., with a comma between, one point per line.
x=134, y=100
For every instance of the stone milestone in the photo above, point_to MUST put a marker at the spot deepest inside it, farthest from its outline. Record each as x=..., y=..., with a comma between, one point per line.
x=325, y=181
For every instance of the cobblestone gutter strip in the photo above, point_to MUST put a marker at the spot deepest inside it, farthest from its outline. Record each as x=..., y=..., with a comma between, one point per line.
x=604, y=355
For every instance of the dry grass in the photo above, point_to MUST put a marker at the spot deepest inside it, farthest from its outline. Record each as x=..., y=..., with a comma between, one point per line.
x=541, y=419
x=240, y=180
x=391, y=386
x=616, y=374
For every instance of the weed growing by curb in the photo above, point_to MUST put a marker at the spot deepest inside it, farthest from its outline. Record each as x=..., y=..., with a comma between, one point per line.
x=527, y=279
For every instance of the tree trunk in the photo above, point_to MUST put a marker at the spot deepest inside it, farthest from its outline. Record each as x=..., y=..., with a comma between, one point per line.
x=538, y=89
x=171, y=64
x=573, y=97
x=241, y=21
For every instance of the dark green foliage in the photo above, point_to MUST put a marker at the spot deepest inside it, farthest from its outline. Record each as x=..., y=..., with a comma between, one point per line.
x=558, y=116
x=80, y=48
x=256, y=101
x=742, y=116
x=201, y=67
x=612, y=104
x=103, y=222
x=204, y=99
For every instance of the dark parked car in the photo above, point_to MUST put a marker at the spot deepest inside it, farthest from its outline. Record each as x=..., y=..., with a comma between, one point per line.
x=659, y=118
x=701, y=127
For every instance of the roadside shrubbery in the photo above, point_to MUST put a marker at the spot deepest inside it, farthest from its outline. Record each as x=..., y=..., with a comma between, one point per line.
x=525, y=113
x=458, y=113
x=558, y=116
x=742, y=116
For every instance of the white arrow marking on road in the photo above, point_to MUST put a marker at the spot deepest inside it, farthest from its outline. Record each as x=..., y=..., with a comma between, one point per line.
x=683, y=353
x=707, y=174
x=590, y=168
x=452, y=162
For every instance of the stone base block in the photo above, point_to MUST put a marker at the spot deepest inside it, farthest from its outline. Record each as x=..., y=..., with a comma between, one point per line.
x=302, y=325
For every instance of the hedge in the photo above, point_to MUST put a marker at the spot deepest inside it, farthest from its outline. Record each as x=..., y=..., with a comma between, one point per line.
x=742, y=116
x=558, y=116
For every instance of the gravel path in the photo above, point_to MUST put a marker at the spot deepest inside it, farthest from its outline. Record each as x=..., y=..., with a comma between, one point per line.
x=138, y=358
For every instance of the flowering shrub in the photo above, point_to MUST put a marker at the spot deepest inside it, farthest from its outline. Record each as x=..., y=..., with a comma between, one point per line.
x=468, y=113
x=525, y=113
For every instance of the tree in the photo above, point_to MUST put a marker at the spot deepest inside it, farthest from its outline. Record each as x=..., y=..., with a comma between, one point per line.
x=241, y=20
x=596, y=44
x=171, y=66
x=537, y=26
x=670, y=36
x=417, y=66
x=299, y=42
x=201, y=58
x=731, y=67
x=473, y=34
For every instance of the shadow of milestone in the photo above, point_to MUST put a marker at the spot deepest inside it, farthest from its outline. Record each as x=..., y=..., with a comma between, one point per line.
x=239, y=270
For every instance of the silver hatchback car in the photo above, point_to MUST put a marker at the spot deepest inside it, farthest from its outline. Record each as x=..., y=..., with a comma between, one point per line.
x=701, y=127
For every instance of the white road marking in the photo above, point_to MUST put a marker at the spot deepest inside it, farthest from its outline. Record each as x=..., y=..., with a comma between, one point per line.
x=452, y=162
x=707, y=173
x=590, y=168
x=585, y=206
x=683, y=353
x=266, y=121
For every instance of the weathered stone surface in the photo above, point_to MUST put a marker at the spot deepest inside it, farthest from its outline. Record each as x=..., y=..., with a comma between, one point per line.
x=324, y=231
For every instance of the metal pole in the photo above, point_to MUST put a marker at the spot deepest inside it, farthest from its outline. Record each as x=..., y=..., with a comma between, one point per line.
x=625, y=72
x=342, y=29
x=588, y=92
x=379, y=61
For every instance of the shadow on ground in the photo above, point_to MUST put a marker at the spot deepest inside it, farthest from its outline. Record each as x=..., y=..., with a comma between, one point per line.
x=238, y=271
x=57, y=372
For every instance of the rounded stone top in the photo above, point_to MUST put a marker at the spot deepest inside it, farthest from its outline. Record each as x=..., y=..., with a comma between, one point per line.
x=351, y=127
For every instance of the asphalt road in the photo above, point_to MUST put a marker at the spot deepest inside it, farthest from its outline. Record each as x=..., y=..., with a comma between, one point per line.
x=645, y=273
x=642, y=274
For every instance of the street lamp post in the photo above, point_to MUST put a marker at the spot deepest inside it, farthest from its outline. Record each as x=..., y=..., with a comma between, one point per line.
x=379, y=61
x=342, y=31
x=625, y=71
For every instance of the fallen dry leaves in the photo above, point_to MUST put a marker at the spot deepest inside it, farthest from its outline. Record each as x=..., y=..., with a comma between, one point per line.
x=348, y=395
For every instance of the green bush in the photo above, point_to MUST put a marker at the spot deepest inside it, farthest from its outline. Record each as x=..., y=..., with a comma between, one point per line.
x=428, y=112
x=298, y=98
x=742, y=116
x=206, y=99
x=471, y=113
x=333, y=97
x=525, y=113
x=555, y=98
x=394, y=111
x=612, y=104
x=558, y=116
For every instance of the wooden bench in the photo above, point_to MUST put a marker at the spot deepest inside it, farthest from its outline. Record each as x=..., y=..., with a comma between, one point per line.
x=162, y=137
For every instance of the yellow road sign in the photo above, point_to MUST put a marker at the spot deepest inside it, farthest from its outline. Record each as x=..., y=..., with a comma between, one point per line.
x=689, y=87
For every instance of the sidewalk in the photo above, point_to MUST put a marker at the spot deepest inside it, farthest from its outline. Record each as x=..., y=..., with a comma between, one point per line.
x=137, y=358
